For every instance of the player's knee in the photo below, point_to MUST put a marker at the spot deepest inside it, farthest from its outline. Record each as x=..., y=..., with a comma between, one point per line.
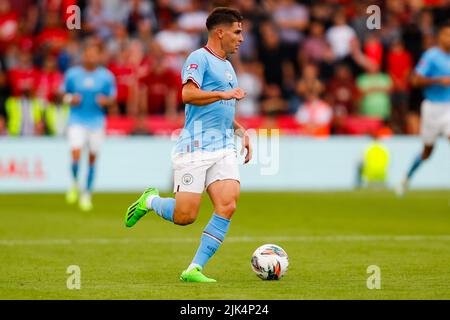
x=227, y=208
x=184, y=218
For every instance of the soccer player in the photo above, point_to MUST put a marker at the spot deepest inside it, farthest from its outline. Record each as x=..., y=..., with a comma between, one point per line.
x=433, y=74
x=205, y=154
x=89, y=89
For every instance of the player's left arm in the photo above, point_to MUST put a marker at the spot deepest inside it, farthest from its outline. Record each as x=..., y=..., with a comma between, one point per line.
x=240, y=131
x=107, y=98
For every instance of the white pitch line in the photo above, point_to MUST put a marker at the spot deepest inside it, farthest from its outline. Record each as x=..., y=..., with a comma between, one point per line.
x=278, y=239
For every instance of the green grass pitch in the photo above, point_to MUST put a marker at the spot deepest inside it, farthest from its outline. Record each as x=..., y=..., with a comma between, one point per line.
x=331, y=239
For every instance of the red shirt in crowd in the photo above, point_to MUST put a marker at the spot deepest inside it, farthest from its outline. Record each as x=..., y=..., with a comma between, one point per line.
x=343, y=94
x=22, y=79
x=374, y=51
x=49, y=84
x=159, y=84
x=399, y=65
x=124, y=75
x=55, y=38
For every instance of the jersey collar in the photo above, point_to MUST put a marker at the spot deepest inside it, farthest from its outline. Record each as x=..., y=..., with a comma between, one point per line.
x=213, y=53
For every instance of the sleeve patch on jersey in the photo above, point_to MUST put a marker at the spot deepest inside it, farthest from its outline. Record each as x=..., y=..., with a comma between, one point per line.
x=192, y=66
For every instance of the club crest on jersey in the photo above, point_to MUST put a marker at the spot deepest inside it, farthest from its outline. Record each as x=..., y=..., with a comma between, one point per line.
x=89, y=82
x=192, y=66
x=229, y=75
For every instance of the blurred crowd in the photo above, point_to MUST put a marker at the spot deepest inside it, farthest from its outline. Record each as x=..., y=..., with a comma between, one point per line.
x=316, y=61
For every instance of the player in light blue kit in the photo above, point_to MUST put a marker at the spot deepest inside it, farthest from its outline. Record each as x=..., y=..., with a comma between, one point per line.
x=432, y=73
x=89, y=89
x=205, y=154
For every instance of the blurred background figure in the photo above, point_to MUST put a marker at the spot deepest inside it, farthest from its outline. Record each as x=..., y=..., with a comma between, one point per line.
x=89, y=89
x=373, y=169
x=315, y=115
x=375, y=87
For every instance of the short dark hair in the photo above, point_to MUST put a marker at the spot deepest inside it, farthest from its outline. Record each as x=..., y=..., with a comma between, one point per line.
x=223, y=15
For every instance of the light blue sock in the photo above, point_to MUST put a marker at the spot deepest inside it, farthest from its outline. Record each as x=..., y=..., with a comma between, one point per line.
x=211, y=240
x=75, y=167
x=164, y=207
x=90, y=177
x=416, y=164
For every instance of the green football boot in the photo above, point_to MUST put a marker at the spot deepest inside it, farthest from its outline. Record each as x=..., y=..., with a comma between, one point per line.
x=195, y=275
x=139, y=208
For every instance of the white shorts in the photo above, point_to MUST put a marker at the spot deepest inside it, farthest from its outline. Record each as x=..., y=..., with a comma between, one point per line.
x=195, y=171
x=80, y=137
x=435, y=121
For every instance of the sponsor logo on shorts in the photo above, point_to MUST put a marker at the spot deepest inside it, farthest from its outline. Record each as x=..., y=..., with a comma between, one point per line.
x=187, y=179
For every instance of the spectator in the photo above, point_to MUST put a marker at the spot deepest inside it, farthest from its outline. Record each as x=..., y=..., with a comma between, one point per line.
x=24, y=114
x=23, y=76
x=9, y=24
x=193, y=21
x=309, y=87
x=399, y=66
x=272, y=101
x=342, y=94
x=70, y=55
x=160, y=88
x=340, y=36
x=137, y=11
x=141, y=67
x=250, y=80
x=98, y=20
x=271, y=54
x=175, y=41
x=49, y=79
x=54, y=36
x=119, y=41
x=316, y=49
x=373, y=48
x=314, y=114
x=292, y=19
x=124, y=71
x=375, y=87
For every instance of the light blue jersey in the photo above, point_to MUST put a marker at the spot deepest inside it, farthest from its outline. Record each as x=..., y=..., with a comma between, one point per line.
x=209, y=127
x=89, y=84
x=435, y=63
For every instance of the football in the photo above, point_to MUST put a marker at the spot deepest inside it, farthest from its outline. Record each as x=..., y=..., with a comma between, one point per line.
x=270, y=262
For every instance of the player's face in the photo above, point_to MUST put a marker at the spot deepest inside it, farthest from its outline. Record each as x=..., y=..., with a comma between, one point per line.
x=91, y=56
x=232, y=37
x=444, y=38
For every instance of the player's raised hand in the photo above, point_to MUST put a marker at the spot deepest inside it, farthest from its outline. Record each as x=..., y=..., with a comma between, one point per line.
x=236, y=93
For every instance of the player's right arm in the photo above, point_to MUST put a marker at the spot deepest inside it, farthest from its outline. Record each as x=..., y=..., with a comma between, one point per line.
x=420, y=81
x=67, y=94
x=423, y=75
x=192, y=94
x=192, y=78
